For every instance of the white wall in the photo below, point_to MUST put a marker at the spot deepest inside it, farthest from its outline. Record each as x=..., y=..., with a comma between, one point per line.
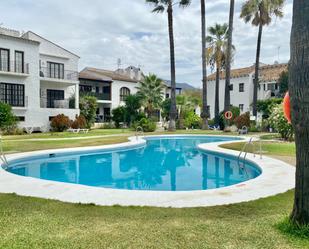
x=116, y=85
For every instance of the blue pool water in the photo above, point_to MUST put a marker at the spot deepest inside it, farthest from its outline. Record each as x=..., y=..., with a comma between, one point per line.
x=168, y=164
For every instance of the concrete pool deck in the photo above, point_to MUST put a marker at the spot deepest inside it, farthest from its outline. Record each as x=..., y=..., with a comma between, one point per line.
x=277, y=177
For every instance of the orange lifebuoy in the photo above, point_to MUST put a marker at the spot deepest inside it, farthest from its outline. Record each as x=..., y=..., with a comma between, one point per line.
x=287, y=107
x=228, y=115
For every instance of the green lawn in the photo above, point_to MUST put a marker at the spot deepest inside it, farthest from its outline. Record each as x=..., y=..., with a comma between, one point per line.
x=37, y=223
x=268, y=148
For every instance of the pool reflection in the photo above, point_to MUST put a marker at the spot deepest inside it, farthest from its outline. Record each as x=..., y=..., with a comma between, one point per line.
x=163, y=164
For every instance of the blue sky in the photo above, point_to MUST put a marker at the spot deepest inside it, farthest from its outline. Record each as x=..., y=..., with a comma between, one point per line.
x=101, y=31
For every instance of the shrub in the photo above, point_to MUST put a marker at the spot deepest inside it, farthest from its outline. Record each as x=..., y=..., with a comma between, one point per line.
x=60, y=123
x=88, y=108
x=242, y=120
x=280, y=124
x=119, y=115
x=265, y=106
x=79, y=122
x=147, y=125
x=8, y=120
x=192, y=120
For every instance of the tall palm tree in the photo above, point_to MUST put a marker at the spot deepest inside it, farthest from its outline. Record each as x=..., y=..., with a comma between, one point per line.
x=260, y=13
x=205, y=113
x=216, y=55
x=160, y=7
x=227, y=96
x=151, y=93
x=298, y=89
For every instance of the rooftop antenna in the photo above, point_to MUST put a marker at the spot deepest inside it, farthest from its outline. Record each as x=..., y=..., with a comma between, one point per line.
x=119, y=63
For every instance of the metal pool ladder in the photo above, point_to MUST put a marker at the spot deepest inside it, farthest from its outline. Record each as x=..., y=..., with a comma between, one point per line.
x=2, y=155
x=139, y=132
x=245, y=151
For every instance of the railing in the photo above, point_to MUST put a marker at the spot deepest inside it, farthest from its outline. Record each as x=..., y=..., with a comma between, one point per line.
x=139, y=132
x=57, y=104
x=99, y=96
x=2, y=155
x=46, y=72
x=14, y=67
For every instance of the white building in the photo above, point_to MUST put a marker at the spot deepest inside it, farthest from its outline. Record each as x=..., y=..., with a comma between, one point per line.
x=242, y=86
x=111, y=87
x=37, y=78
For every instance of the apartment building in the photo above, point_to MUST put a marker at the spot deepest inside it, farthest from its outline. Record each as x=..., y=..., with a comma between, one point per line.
x=38, y=78
x=241, y=88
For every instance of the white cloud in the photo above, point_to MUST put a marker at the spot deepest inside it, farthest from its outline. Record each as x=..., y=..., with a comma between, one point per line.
x=102, y=31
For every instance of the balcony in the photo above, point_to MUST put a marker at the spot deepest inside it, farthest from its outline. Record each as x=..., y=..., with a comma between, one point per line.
x=66, y=75
x=99, y=96
x=57, y=104
x=14, y=68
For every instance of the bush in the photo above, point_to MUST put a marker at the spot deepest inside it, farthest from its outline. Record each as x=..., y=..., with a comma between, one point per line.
x=265, y=106
x=119, y=115
x=147, y=125
x=8, y=121
x=280, y=124
x=242, y=120
x=88, y=108
x=192, y=120
x=60, y=123
x=79, y=122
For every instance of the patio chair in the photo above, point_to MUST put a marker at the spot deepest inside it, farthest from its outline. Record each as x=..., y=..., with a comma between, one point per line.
x=243, y=130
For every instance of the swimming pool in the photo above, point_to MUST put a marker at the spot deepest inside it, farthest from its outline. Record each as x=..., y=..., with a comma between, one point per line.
x=162, y=164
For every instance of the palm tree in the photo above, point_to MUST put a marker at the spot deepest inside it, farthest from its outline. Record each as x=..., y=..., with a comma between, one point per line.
x=260, y=13
x=160, y=7
x=151, y=93
x=298, y=89
x=216, y=55
x=227, y=96
x=205, y=113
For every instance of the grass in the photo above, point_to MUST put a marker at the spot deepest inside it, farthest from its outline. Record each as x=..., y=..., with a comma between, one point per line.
x=268, y=148
x=38, y=223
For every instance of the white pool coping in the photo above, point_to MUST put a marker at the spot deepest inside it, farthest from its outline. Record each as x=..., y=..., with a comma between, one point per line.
x=277, y=177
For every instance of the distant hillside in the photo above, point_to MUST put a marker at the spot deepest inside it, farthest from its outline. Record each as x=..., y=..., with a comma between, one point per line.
x=183, y=86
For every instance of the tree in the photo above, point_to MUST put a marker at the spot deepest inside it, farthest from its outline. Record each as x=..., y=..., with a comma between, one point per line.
x=88, y=108
x=299, y=93
x=227, y=96
x=216, y=55
x=205, y=113
x=132, y=106
x=7, y=117
x=284, y=82
x=260, y=13
x=159, y=7
x=151, y=93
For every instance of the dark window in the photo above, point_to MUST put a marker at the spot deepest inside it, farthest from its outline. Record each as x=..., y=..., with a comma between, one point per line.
x=231, y=87
x=12, y=94
x=241, y=87
x=97, y=89
x=21, y=118
x=51, y=118
x=264, y=87
x=241, y=107
x=55, y=70
x=53, y=95
x=4, y=60
x=124, y=92
x=106, y=89
x=167, y=96
x=19, y=62
x=85, y=88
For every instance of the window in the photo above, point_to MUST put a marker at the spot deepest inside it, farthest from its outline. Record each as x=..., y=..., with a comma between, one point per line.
x=167, y=96
x=97, y=89
x=124, y=92
x=21, y=118
x=264, y=87
x=85, y=88
x=231, y=87
x=241, y=87
x=55, y=70
x=53, y=95
x=241, y=107
x=50, y=118
x=12, y=94
x=4, y=60
x=19, y=62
